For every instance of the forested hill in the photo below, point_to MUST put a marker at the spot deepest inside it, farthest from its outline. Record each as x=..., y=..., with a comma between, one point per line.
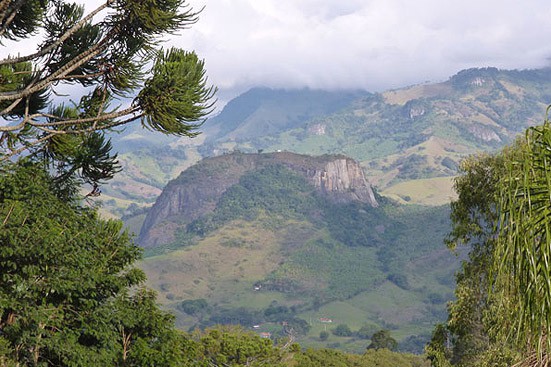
x=408, y=140
x=272, y=239
x=198, y=190
x=263, y=111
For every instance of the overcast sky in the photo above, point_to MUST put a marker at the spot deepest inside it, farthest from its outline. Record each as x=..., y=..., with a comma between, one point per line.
x=368, y=44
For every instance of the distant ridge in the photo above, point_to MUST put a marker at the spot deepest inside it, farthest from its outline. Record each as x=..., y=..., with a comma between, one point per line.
x=410, y=134
x=259, y=112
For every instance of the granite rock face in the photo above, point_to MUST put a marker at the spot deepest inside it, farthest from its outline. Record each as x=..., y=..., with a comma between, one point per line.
x=343, y=180
x=197, y=190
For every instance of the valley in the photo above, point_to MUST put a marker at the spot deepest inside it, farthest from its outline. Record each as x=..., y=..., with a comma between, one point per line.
x=364, y=267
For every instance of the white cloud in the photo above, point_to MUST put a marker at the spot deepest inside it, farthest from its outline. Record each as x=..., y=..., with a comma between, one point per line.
x=368, y=44
x=373, y=44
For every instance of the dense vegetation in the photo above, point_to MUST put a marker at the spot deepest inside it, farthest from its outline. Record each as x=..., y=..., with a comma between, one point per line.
x=69, y=296
x=67, y=275
x=274, y=190
x=318, y=254
x=109, y=54
x=501, y=315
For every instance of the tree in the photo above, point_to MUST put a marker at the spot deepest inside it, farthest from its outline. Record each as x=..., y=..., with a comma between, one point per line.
x=323, y=358
x=342, y=330
x=69, y=294
x=473, y=215
x=115, y=60
x=65, y=296
x=522, y=285
x=437, y=350
x=371, y=358
x=366, y=331
x=468, y=338
x=503, y=309
x=382, y=339
x=386, y=358
x=233, y=346
x=193, y=307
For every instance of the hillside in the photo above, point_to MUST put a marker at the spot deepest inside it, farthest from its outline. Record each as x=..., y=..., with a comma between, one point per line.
x=408, y=142
x=417, y=132
x=405, y=139
x=262, y=111
x=266, y=242
x=197, y=191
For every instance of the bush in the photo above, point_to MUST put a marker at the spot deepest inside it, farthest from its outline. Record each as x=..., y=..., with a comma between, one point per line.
x=193, y=306
x=342, y=330
x=382, y=340
x=366, y=331
x=400, y=280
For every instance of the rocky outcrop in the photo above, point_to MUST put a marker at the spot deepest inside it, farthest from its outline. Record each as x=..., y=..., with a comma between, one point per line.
x=343, y=180
x=484, y=133
x=197, y=190
x=317, y=129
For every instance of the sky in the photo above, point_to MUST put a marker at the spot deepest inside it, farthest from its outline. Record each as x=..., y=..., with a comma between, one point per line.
x=373, y=45
x=367, y=44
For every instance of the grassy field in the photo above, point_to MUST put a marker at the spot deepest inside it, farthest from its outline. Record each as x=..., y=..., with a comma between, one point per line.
x=324, y=278
x=428, y=191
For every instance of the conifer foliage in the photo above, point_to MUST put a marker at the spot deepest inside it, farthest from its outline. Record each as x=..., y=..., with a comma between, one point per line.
x=69, y=292
x=113, y=53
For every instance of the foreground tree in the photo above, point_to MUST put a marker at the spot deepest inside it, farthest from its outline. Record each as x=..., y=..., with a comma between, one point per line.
x=67, y=275
x=371, y=358
x=503, y=309
x=115, y=60
x=465, y=340
x=234, y=346
x=522, y=283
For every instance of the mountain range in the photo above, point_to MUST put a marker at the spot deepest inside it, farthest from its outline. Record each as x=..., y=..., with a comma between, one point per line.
x=409, y=141
x=370, y=264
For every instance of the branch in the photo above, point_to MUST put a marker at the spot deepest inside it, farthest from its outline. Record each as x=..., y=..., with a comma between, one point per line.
x=89, y=129
x=61, y=72
x=8, y=109
x=106, y=116
x=82, y=76
x=11, y=16
x=61, y=39
x=3, y=7
x=16, y=102
x=8, y=215
x=22, y=149
x=51, y=133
